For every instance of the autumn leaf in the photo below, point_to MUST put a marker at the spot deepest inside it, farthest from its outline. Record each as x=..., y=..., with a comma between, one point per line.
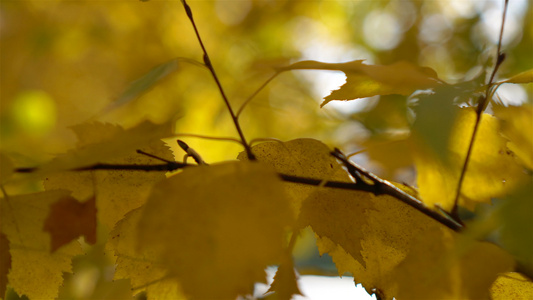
x=339, y=215
x=141, y=268
x=385, y=239
x=370, y=80
x=69, y=219
x=5, y=262
x=392, y=153
x=512, y=285
x=35, y=271
x=439, y=267
x=117, y=191
x=308, y=158
x=524, y=77
x=285, y=283
x=227, y=223
x=517, y=126
x=6, y=168
x=106, y=142
x=492, y=170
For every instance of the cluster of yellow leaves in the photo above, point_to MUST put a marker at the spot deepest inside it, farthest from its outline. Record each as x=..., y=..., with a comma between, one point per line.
x=389, y=247
x=221, y=225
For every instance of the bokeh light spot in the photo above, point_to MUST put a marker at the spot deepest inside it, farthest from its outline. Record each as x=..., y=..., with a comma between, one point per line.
x=34, y=111
x=382, y=30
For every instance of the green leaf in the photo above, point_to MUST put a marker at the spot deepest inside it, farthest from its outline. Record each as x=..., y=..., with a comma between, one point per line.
x=143, y=84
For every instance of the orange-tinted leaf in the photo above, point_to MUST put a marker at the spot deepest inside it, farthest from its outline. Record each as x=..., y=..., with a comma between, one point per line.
x=35, y=271
x=69, y=219
x=117, y=192
x=369, y=80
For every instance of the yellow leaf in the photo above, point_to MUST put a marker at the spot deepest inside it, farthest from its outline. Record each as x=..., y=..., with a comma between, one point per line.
x=338, y=215
x=391, y=154
x=524, y=77
x=5, y=262
x=217, y=226
x=117, y=192
x=117, y=142
x=387, y=237
x=517, y=126
x=285, y=281
x=141, y=268
x=492, y=169
x=439, y=267
x=307, y=158
x=512, y=286
x=35, y=271
x=369, y=80
x=6, y=168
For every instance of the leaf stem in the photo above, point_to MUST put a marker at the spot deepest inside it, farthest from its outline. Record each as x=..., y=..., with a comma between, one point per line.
x=481, y=106
x=209, y=65
x=255, y=93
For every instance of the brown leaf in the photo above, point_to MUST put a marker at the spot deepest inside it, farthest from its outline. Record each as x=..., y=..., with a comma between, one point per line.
x=69, y=219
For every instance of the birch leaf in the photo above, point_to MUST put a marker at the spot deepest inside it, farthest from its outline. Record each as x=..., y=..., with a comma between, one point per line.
x=307, y=158
x=223, y=223
x=492, y=170
x=517, y=126
x=35, y=271
x=512, y=285
x=364, y=80
x=142, y=268
x=117, y=192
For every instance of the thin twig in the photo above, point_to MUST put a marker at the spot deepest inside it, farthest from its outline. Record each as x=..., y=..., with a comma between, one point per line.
x=169, y=166
x=482, y=104
x=206, y=137
x=209, y=65
x=371, y=183
x=154, y=156
x=255, y=93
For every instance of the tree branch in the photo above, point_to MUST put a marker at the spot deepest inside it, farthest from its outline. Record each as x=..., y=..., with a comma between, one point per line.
x=209, y=65
x=365, y=181
x=481, y=106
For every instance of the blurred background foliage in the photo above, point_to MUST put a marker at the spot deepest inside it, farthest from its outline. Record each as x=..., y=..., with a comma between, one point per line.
x=67, y=62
